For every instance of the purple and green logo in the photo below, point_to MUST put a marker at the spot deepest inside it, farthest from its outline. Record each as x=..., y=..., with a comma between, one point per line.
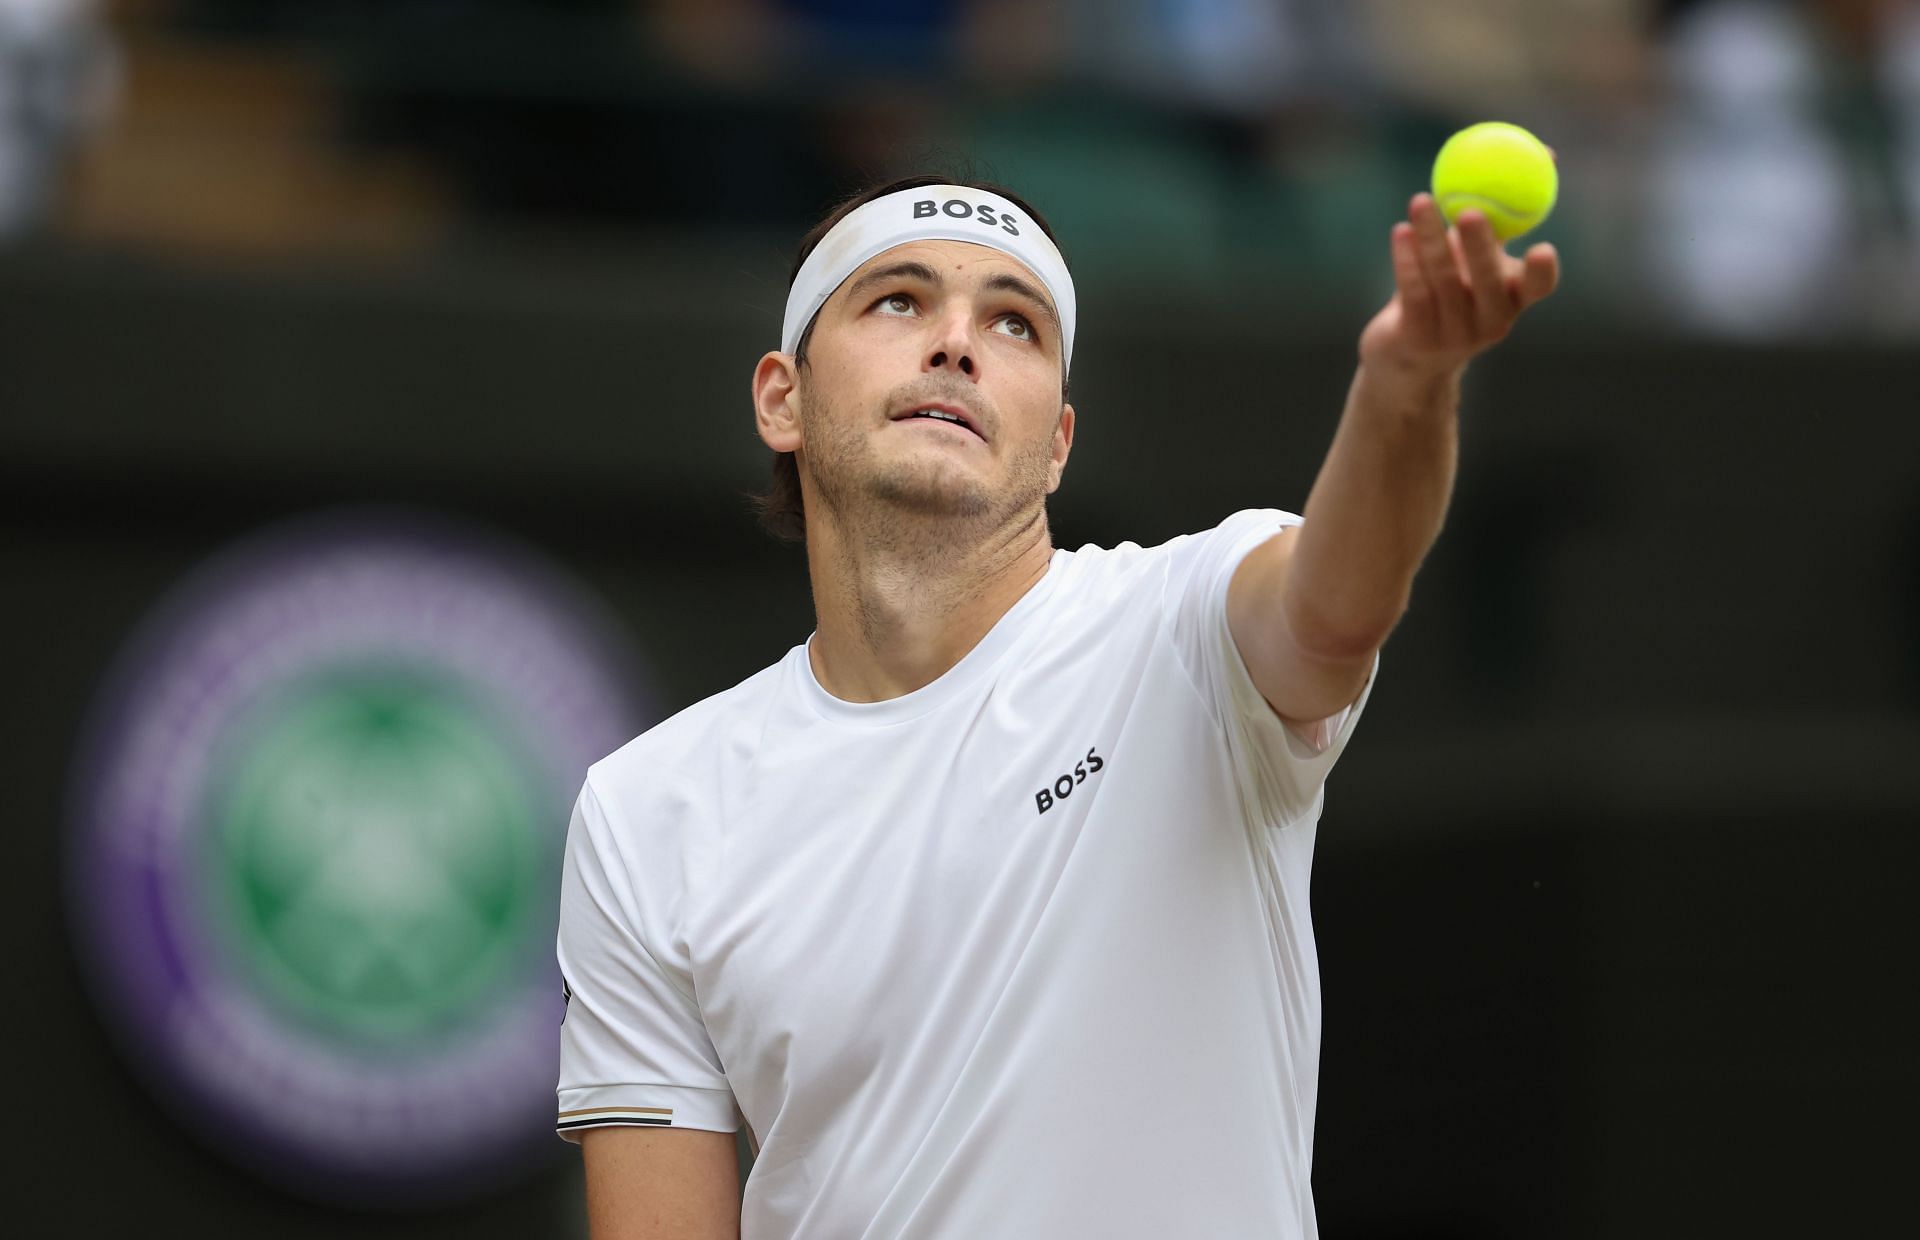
x=316, y=859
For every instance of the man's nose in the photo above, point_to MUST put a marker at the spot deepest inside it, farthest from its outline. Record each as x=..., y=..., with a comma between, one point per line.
x=952, y=349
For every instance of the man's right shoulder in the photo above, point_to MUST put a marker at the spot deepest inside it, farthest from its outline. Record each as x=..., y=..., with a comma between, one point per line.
x=714, y=733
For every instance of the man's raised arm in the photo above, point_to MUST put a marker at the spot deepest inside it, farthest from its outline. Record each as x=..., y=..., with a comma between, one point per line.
x=1310, y=607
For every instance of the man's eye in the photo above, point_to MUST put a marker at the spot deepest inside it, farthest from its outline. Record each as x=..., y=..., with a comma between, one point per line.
x=1016, y=327
x=897, y=303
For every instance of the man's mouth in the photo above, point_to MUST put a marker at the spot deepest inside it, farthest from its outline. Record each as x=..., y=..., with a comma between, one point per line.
x=941, y=413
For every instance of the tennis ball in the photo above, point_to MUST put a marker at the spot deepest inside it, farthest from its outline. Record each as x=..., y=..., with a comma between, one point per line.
x=1500, y=170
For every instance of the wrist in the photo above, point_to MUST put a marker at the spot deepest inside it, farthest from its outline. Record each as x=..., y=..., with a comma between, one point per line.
x=1409, y=388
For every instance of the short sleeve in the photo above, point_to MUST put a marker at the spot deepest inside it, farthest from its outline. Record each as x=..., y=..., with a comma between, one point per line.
x=1282, y=776
x=633, y=1047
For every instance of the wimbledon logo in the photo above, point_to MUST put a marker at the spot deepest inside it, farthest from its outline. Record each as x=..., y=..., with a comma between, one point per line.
x=319, y=821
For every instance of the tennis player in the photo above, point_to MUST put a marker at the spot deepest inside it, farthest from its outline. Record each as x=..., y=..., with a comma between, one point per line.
x=985, y=908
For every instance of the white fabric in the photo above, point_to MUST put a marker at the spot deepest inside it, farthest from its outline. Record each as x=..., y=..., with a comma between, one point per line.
x=873, y=228
x=944, y=1012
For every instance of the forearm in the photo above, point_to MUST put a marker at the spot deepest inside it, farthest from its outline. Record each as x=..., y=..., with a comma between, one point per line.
x=1374, y=511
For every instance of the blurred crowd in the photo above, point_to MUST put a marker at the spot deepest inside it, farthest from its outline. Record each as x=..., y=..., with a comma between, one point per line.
x=1738, y=167
x=56, y=83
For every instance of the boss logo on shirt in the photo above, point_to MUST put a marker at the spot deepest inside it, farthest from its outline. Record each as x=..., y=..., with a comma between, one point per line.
x=960, y=209
x=1063, y=787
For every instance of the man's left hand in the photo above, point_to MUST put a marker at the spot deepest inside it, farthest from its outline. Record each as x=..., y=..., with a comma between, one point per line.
x=1456, y=293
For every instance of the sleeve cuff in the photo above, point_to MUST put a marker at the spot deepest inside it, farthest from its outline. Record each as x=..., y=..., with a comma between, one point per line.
x=645, y=1106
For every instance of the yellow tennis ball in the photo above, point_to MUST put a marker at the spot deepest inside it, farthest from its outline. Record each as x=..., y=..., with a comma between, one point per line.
x=1500, y=170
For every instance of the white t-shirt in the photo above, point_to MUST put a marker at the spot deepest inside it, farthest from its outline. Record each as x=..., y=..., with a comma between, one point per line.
x=1024, y=953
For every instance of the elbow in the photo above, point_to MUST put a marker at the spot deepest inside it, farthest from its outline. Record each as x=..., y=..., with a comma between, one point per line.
x=1327, y=636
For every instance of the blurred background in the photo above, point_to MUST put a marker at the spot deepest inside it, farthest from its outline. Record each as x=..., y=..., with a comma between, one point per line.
x=373, y=442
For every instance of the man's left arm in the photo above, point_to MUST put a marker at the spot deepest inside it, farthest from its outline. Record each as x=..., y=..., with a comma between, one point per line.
x=1310, y=607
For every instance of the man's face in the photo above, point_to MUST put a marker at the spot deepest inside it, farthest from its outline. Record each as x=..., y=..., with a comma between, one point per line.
x=941, y=328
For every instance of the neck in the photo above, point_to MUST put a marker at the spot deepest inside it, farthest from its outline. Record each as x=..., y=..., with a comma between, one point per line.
x=898, y=607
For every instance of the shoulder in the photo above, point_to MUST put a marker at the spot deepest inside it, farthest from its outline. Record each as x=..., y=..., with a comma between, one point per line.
x=1245, y=527
x=1101, y=571
x=681, y=758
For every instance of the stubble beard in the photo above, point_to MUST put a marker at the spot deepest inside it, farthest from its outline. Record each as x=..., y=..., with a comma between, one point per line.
x=924, y=498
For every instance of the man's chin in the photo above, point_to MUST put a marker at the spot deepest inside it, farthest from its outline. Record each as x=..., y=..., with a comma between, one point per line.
x=924, y=498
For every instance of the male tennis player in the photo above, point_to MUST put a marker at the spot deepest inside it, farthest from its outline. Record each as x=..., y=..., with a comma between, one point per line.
x=986, y=907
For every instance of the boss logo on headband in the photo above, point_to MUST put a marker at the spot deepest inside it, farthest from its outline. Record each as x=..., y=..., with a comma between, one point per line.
x=960, y=209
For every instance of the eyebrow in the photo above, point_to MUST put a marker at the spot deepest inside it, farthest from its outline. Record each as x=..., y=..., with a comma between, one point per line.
x=1002, y=283
x=892, y=272
x=1015, y=285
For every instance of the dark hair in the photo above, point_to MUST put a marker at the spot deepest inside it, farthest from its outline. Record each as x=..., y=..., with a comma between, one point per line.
x=780, y=509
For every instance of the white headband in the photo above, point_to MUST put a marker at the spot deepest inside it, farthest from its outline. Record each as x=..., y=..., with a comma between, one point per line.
x=930, y=213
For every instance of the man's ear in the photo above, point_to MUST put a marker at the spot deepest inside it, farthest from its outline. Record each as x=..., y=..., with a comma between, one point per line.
x=1062, y=445
x=776, y=401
